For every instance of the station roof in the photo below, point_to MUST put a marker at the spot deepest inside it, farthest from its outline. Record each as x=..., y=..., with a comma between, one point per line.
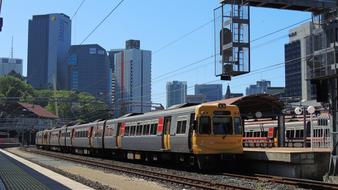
x=315, y=6
x=268, y=105
x=37, y=110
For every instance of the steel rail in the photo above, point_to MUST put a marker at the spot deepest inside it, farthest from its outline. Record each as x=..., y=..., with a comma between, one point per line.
x=302, y=183
x=160, y=176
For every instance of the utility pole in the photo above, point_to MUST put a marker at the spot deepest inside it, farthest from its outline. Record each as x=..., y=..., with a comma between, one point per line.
x=1, y=19
x=56, y=103
x=12, y=48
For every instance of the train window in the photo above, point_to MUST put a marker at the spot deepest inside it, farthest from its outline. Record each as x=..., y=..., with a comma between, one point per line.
x=264, y=134
x=204, y=125
x=292, y=134
x=145, y=129
x=139, y=130
x=184, y=126
x=237, y=125
x=251, y=134
x=222, y=125
x=181, y=127
x=131, y=132
x=148, y=129
x=153, y=129
x=297, y=133
x=178, y=127
x=126, y=132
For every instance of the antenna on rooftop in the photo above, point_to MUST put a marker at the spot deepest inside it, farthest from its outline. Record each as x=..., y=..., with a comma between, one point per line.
x=12, y=49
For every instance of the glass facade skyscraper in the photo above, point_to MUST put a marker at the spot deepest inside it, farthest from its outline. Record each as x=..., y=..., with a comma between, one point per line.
x=49, y=39
x=212, y=92
x=89, y=71
x=176, y=92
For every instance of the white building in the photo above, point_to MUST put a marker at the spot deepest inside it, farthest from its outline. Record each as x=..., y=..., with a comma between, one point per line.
x=297, y=53
x=132, y=79
x=10, y=64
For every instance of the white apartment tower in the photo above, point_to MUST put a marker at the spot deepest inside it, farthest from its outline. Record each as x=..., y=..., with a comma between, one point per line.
x=132, y=67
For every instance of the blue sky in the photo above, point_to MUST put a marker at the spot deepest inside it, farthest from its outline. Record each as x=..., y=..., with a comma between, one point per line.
x=157, y=23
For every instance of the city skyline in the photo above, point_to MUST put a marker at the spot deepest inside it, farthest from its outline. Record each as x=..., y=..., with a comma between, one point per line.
x=168, y=54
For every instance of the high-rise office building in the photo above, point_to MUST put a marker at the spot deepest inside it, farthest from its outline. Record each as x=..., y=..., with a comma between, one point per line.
x=212, y=92
x=49, y=39
x=297, y=53
x=260, y=87
x=111, y=55
x=132, y=68
x=89, y=71
x=10, y=64
x=176, y=92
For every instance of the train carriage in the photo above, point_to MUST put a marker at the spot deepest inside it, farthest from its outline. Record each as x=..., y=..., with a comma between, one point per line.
x=81, y=137
x=188, y=133
x=54, y=141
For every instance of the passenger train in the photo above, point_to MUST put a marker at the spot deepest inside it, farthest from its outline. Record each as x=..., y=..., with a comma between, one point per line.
x=265, y=133
x=193, y=134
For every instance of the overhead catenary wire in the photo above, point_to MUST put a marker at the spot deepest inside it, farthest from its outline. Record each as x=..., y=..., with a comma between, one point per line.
x=165, y=75
x=102, y=21
x=77, y=10
x=263, y=69
x=96, y=27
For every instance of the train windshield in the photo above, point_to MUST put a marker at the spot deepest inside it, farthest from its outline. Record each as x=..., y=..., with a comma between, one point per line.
x=222, y=125
x=238, y=125
x=204, y=125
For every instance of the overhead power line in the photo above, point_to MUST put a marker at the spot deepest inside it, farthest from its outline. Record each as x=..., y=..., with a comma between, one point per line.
x=183, y=36
x=102, y=21
x=77, y=10
x=282, y=29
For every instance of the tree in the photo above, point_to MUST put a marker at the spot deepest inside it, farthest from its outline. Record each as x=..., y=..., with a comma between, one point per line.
x=16, y=75
x=13, y=87
x=73, y=105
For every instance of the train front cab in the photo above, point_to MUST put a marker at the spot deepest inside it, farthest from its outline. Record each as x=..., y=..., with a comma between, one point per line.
x=217, y=132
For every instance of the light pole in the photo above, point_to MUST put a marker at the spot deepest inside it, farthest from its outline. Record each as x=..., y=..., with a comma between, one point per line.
x=310, y=110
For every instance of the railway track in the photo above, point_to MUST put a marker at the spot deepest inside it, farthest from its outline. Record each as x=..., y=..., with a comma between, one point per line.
x=159, y=176
x=190, y=181
x=302, y=183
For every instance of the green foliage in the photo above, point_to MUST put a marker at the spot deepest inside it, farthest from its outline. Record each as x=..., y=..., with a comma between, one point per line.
x=16, y=75
x=14, y=87
x=71, y=105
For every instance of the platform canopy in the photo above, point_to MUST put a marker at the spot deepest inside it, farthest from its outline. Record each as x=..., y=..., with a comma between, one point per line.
x=268, y=105
x=315, y=6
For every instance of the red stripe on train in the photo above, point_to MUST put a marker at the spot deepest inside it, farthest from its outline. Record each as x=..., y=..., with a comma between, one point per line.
x=160, y=125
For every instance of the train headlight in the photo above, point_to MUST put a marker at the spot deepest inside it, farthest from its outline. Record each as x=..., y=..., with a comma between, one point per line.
x=222, y=106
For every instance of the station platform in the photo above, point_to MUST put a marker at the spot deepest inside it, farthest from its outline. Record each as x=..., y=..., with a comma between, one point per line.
x=9, y=145
x=290, y=162
x=20, y=174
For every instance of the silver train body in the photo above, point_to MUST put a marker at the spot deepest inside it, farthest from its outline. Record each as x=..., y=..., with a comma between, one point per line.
x=169, y=131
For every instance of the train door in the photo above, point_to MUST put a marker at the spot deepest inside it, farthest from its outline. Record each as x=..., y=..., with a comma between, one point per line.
x=191, y=129
x=59, y=137
x=90, y=135
x=120, y=127
x=166, y=133
x=72, y=137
